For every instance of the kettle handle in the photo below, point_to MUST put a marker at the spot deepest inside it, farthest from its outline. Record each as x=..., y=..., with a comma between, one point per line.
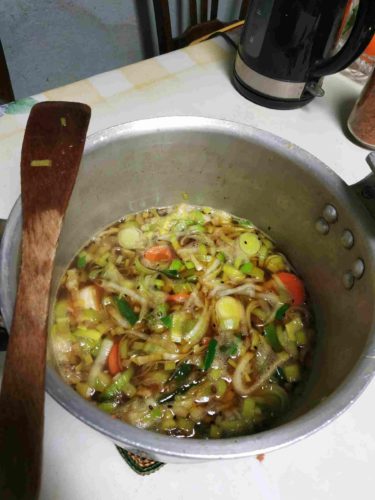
x=360, y=37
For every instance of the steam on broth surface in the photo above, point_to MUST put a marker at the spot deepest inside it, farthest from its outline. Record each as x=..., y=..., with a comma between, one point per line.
x=184, y=320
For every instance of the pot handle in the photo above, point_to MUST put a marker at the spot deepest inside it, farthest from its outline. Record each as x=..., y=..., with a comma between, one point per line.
x=3, y=332
x=365, y=188
x=360, y=37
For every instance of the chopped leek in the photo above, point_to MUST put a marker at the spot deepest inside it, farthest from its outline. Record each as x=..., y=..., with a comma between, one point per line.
x=85, y=390
x=220, y=256
x=232, y=273
x=61, y=309
x=249, y=244
x=210, y=354
x=257, y=273
x=141, y=268
x=87, y=333
x=108, y=406
x=271, y=336
x=221, y=387
x=118, y=385
x=230, y=313
x=197, y=216
x=197, y=228
x=215, y=432
x=81, y=260
x=275, y=263
x=301, y=337
x=169, y=365
x=245, y=223
x=167, y=321
x=293, y=327
x=177, y=321
x=130, y=238
x=248, y=408
x=292, y=372
x=176, y=265
x=126, y=311
x=230, y=349
x=247, y=268
x=280, y=313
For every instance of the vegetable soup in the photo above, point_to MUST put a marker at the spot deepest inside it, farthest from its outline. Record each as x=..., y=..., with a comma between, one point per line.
x=186, y=321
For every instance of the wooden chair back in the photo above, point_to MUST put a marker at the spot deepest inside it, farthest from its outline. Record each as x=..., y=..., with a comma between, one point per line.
x=6, y=90
x=202, y=21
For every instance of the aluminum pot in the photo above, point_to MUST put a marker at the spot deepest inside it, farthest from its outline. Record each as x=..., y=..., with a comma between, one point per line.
x=313, y=215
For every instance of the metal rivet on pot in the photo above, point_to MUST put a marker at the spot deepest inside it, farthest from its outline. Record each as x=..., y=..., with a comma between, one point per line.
x=348, y=280
x=358, y=268
x=347, y=239
x=330, y=213
x=322, y=226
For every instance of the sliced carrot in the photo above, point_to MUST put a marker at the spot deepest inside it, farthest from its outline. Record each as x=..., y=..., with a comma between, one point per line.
x=294, y=287
x=114, y=366
x=178, y=298
x=159, y=253
x=370, y=49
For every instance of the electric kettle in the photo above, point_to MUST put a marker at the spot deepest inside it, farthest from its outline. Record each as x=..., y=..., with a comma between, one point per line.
x=287, y=46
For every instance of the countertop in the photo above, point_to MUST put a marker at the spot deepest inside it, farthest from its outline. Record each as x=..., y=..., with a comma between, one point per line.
x=79, y=463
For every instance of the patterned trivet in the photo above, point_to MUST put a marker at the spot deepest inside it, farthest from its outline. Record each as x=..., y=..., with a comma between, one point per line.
x=140, y=465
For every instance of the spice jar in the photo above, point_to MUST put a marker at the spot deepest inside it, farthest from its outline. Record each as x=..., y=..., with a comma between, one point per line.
x=361, y=122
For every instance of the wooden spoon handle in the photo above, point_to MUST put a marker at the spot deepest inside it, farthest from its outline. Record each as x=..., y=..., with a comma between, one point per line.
x=51, y=153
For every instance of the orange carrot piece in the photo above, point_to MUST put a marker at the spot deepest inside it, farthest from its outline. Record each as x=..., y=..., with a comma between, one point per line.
x=159, y=253
x=114, y=366
x=178, y=298
x=294, y=287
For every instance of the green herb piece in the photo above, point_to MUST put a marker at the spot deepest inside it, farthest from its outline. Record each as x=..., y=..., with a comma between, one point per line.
x=189, y=265
x=271, y=336
x=161, y=310
x=247, y=268
x=166, y=398
x=171, y=273
x=167, y=321
x=81, y=261
x=108, y=406
x=279, y=374
x=156, y=413
x=181, y=372
x=197, y=228
x=230, y=349
x=176, y=265
x=210, y=354
x=220, y=256
x=126, y=311
x=245, y=223
x=281, y=311
x=197, y=216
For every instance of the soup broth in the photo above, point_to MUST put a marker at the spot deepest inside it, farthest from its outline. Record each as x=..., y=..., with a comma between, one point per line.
x=184, y=320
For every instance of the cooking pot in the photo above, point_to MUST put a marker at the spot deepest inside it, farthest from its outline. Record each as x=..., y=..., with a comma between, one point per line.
x=316, y=219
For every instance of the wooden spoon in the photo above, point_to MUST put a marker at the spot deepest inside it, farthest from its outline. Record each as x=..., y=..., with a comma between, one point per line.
x=51, y=154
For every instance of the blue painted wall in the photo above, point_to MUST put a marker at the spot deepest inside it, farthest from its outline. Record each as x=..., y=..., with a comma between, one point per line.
x=49, y=43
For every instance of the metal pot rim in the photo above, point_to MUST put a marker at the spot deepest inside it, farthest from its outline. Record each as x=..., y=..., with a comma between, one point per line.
x=154, y=444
